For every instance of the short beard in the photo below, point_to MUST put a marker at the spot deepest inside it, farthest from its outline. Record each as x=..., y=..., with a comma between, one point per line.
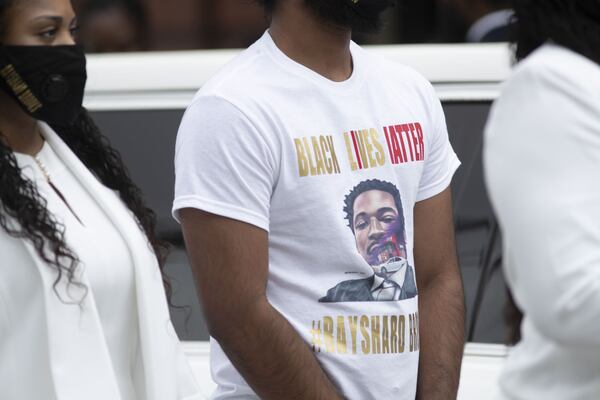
x=364, y=16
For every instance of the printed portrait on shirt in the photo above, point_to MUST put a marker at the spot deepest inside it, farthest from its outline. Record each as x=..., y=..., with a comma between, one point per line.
x=374, y=213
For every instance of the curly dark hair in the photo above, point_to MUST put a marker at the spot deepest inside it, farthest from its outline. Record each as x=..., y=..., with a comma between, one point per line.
x=365, y=186
x=574, y=24
x=23, y=211
x=21, y=201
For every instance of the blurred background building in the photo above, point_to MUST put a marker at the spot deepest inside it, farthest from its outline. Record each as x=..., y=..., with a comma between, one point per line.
x=138, y=25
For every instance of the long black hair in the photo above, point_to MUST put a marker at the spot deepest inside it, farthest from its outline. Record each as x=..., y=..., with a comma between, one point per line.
x=21, y=202
x=574, y=24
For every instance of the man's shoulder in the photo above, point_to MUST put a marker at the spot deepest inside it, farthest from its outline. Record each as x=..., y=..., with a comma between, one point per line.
x=237, y=88
x=243, y=75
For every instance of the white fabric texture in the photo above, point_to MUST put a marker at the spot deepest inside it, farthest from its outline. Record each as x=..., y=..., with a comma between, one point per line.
x=271, y=143
x=542, y=164
x=108, y=267
x=119, y=342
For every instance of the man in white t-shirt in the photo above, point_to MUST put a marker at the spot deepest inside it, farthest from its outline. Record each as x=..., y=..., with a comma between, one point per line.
x=301, y=125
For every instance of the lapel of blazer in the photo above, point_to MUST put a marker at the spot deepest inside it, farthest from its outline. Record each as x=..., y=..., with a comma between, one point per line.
x=367, y=288
x=79, y=359
x=158, y=339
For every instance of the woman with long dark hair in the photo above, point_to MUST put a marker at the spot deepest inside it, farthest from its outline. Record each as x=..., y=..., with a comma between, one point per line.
x=83, y=312
x=542, y=163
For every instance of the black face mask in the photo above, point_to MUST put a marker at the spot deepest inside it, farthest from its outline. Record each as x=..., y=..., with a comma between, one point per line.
x=46, y=81
x=362, y=16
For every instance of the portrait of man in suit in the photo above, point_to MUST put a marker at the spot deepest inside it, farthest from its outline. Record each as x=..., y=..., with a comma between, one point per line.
x=374, y=212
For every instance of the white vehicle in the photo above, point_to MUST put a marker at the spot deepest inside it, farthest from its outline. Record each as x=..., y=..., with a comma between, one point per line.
x=390, y=267
x=139, y=98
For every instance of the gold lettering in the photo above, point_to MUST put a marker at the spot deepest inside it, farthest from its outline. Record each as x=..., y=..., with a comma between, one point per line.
x=324, y=150
x=318, y=156
x=30, y=101
x=20, y=88
x=342, y=347
x=302, y=160
x=368, y=148
x=401, y=333
x=394, y=333
x=353, y=321
x=328, y=334
x=385, y=336
x=315, y=332
x=379, y=334
x=364, y=330
x=14, y=80
x=411, y=329
x=380, y=156
x=6, y=70
x=362, y=148
x=376, y=335
x=311, y=165
x=353, y=165
x=17, y=85
x=417, y=337
x=336, y=165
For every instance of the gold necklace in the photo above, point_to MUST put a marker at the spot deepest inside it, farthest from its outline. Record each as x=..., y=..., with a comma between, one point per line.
x=42, y=168
x=46, y=174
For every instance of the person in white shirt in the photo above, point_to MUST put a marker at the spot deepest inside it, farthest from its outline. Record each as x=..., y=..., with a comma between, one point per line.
x=542, y=166
x=266, y=156
x=83, y=311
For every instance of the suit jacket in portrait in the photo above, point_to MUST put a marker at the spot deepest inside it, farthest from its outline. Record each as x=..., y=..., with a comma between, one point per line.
x=360, y=289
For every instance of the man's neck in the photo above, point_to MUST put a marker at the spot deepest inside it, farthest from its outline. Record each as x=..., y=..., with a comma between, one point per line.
x=306, y=39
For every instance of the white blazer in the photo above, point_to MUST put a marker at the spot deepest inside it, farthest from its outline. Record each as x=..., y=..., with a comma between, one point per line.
x=50, y=350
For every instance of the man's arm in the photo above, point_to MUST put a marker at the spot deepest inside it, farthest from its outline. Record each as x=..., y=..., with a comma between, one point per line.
x=230, y=263
x=441, y=299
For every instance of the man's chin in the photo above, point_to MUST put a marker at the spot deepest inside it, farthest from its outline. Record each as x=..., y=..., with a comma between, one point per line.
x=364, y=16
x=367, y=15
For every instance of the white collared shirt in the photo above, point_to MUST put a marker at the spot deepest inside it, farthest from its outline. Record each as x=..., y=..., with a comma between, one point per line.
x=384, y=289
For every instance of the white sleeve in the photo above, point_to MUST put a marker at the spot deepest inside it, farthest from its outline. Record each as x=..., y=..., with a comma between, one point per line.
x=441, y=161
x=223, y=164
x=542, y=164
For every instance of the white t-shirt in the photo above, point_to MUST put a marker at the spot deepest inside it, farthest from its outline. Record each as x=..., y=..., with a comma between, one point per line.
x=542, y=164
x=104, y=256
x=271, y=143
